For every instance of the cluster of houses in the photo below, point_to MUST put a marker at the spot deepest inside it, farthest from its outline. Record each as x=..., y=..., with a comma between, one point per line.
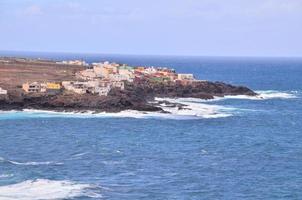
x=107, y=71
x=100, y=87
x=100, y=78
x=117, y=72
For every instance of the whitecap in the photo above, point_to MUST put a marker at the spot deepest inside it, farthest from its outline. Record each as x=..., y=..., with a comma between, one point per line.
x=273, y=94
x=111, y=162
x=35, y=163
x=204, y=151
x=32, y=163
x=263, y=95
x=44, y=189
x=79, y=154
x=6, y=175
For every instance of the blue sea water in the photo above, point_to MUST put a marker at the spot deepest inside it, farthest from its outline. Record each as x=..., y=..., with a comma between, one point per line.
x=233, y=148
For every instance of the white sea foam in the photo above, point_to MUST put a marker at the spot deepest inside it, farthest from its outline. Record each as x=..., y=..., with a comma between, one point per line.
x=194, y=108
x=30, y=162
x=264, y=95
x=203, y=111
x=44, y=189
x=35, y=163
x=77, y=156
x=6, y=175
x=272, y=94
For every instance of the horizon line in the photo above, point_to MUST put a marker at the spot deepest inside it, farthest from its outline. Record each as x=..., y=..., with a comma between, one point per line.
x=151, y=55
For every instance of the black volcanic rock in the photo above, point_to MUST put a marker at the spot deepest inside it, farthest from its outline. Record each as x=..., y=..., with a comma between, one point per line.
x=135, y=96
x=202, y=89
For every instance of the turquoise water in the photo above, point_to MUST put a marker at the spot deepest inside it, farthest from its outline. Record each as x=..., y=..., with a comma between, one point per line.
x=230, y=148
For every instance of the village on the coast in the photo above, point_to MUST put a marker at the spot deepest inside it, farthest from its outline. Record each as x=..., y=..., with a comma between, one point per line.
x=99, y=78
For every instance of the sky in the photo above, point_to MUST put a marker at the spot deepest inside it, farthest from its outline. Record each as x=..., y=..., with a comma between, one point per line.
x=154, y=27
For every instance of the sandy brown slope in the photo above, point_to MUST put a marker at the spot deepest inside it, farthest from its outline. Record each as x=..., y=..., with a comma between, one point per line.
x=13, y=73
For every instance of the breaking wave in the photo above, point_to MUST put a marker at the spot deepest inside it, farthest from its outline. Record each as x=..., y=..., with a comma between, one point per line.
x=265, y=95
x=30, y=163
x=47, y=190
x=77, y=156
x=190, y=112
x=192, y=108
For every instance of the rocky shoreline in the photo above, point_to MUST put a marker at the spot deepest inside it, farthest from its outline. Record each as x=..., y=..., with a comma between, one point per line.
x=133, y=97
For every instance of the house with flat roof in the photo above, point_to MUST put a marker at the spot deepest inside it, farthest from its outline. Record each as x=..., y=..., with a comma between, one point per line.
x=185, y=77
x=3, y=92
x=34, y=87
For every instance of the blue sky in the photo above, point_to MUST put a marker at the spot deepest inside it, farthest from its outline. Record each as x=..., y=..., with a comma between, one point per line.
x=154, y=27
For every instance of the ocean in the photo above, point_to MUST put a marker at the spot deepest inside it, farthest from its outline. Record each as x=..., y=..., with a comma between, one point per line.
x=227, y=148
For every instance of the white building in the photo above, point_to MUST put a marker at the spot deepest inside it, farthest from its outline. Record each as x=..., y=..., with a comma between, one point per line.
x=76, y=87
x=87, y=74
x=185, y=77
x=103, y=71
x=103, y=91
x=73, y=62
x=127, y=72
x=3, y=92
x=118, y=77
x=150, y=70
x=34, y=87
x=118, y=84
x=101, y=88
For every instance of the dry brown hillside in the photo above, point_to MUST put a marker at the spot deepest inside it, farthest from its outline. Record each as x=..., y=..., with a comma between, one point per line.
x=14, y=72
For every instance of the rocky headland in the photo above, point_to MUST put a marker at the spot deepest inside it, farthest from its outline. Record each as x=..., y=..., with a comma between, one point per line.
x=135, y=96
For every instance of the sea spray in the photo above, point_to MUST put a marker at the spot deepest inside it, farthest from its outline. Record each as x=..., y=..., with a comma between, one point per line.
x=48, y=190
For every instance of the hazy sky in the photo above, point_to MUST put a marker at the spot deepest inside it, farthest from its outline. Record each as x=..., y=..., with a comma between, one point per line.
x=159, y=27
